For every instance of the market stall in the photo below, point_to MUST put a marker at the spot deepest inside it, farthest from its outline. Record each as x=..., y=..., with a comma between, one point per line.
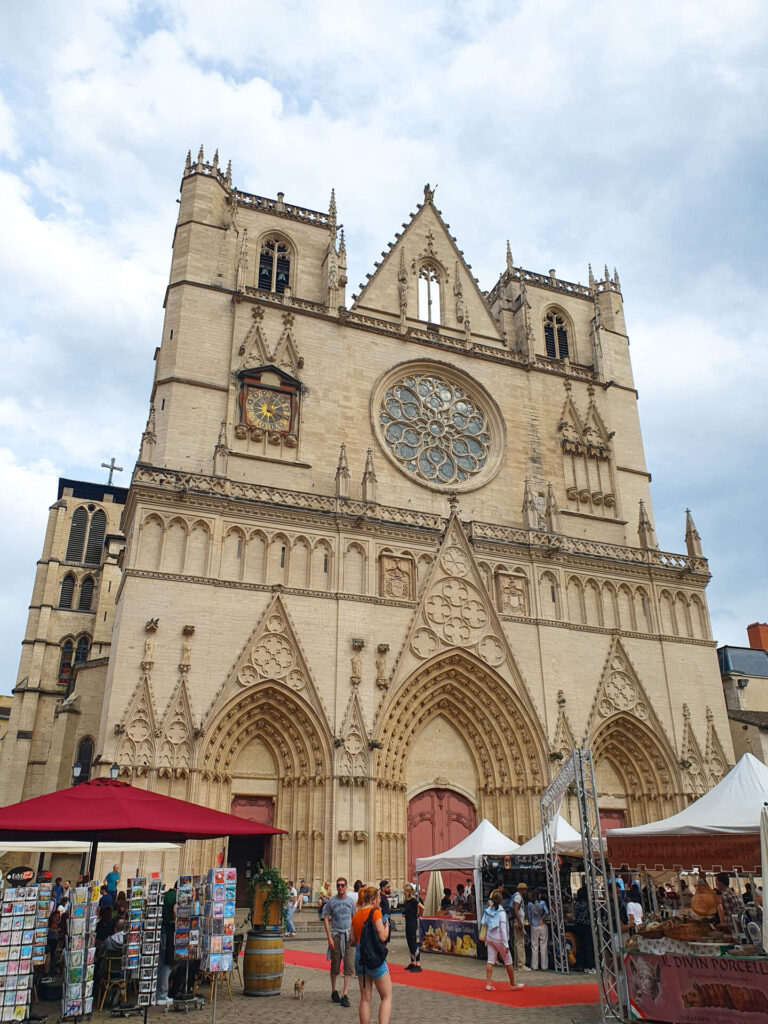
x=692, y=967
x=454, y=931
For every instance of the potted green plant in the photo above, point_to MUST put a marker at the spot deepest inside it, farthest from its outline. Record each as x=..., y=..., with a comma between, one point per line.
x=269, y=893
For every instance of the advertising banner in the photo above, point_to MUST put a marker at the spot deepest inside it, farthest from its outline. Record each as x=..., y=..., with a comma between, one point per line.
x=448, y=935
x=697, y=989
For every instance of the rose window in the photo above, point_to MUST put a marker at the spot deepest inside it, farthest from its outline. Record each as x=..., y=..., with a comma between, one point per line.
x=434, y=430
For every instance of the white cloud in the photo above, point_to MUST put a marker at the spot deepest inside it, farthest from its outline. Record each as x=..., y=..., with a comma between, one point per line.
x=632, y=133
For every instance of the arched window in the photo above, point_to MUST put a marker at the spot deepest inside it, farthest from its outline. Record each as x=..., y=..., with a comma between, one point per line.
x=85, y=757
x=65, y=662
x=67, y=591
x=86, y=594
x=81, y=651
x=96, y=537
x=556, y=335
x=77, y=536
x=429, y=294
x=274, y=266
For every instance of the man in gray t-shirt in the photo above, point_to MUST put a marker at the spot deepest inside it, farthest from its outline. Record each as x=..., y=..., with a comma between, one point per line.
x=337, y=921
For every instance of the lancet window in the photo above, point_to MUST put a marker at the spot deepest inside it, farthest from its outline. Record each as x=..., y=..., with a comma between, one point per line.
x=429, y=294
x=556, y=335
x=274, y=265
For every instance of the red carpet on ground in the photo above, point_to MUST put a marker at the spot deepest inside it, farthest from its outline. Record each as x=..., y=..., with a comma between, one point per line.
x=471, y=988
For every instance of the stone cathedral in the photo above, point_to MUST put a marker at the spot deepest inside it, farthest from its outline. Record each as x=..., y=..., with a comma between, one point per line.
x=381, y=564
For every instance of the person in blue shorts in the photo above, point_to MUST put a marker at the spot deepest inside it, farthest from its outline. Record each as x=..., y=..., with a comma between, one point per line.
x=378, y=976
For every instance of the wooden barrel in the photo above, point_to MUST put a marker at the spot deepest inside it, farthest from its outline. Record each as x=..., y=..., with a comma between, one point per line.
x=263, y=964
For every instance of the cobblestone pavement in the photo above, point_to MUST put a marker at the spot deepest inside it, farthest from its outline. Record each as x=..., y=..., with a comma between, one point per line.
x=409, y=1006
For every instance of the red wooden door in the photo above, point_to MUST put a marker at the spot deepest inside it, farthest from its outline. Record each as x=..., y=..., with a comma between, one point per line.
x=246, y=851
x=437, y=820
x=612, y=818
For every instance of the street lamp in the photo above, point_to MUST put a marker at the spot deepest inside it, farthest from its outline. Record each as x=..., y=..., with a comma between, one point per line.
x=114, y=771
x=77, y=771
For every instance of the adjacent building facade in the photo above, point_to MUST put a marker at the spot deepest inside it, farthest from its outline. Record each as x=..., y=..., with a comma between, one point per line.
x=385, y=563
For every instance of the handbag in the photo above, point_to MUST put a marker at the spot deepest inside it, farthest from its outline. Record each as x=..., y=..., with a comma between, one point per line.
x=483, y=932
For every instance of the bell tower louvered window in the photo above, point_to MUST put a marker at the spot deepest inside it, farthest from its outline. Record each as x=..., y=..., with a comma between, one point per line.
x=86, y=594
x=67, y=591
x=96, y=537
x=556, y=336
x=77, y=536
x=274, y=266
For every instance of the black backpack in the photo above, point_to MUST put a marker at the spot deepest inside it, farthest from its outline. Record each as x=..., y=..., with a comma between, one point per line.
x=372, y=951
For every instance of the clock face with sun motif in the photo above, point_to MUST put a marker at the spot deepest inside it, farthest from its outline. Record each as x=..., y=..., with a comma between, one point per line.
x=270, y=410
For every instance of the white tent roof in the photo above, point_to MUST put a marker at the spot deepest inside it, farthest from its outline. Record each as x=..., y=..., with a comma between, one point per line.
x=76, y=846
x=486, y=840
x=732, y=807
x=567, y=839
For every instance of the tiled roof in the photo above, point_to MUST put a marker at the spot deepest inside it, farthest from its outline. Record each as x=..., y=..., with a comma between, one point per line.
x=758, y=718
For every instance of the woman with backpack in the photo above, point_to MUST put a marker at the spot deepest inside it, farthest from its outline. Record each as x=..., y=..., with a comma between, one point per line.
x=371, y=936
x=497, y=941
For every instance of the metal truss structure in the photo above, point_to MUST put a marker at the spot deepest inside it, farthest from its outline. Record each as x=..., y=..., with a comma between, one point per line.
x=578, y=773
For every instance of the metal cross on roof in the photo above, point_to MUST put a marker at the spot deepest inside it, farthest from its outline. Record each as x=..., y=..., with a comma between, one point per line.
x=112, y=468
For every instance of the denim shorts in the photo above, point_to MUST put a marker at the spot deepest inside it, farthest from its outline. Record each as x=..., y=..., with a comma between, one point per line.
x=370, y=972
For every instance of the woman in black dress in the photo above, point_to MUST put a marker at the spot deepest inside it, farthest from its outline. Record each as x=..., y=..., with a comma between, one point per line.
x=412, y=911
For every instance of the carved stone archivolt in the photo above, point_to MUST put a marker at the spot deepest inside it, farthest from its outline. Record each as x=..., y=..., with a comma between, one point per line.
x=624, y=730
x=506, y=743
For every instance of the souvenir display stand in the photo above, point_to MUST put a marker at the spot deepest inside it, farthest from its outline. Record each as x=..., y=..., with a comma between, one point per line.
x=685, y=969
x=141, y=953
x=453, y=931
x=80, y=952
x=23, y=935
x=218, y=926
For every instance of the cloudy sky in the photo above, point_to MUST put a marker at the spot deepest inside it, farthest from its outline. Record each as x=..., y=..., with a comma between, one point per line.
x=632, y=134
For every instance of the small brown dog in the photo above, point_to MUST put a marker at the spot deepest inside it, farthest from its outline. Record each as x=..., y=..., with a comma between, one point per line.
x=298, y=989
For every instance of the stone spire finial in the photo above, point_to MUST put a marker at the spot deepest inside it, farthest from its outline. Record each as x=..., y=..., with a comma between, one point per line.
x=188, y=161
x=342, y=474
x=342, y=246
x=148, y=438
x=607, y=275
x=229, y=173
x=200, y=158
x=692, y=538
x=553, y=511
x=220, y=452
x=332, y=208
x=616, y=279
x=369, y=478
x=216, y=158
x=530, y=515
x=645, y=529
x=402, y=277
x=429, y=193
x=591, y=276
x=510, y=261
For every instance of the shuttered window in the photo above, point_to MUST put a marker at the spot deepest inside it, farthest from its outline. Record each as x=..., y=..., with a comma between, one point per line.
x=96, y=538
x=77, y=536
x=86, y=594
x=67, y=591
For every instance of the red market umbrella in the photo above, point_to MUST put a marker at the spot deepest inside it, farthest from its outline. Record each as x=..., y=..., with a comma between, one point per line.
x=106, y=809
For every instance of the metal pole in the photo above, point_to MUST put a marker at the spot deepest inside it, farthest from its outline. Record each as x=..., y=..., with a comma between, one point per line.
x=214, y=986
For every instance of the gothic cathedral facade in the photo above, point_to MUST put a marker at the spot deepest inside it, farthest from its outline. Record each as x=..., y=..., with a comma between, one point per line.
x=385, y=564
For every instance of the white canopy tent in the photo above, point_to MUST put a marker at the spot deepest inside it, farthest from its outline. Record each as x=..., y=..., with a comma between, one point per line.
x=567, y=840
x=485, y=841
x=732, y=807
